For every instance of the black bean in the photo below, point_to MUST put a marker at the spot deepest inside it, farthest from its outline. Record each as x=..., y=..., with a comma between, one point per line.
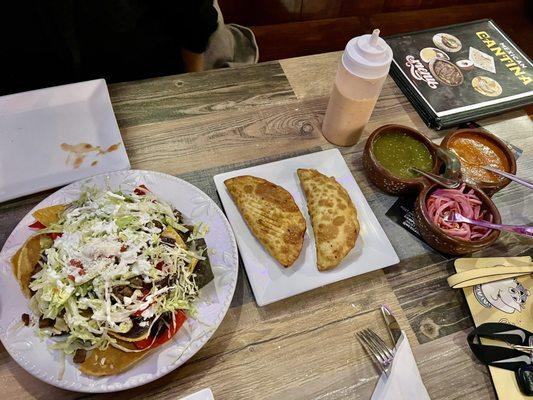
x=168, y=240
x=80, y=356
x=161, y=323
x=163, y=282
x=136, y=282
x=26, y=319
x=158, y=224
x=178, y=216
x=46, y=322
x=37, y=268
x=122, y=291
x=118, y=293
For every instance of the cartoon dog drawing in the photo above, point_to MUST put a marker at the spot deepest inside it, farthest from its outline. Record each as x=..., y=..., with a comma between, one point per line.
x=507, y=295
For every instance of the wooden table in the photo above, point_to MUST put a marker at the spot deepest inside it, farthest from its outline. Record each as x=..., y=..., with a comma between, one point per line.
x=197, y=125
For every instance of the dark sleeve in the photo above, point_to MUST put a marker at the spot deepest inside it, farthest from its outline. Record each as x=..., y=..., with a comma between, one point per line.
x=198, y=22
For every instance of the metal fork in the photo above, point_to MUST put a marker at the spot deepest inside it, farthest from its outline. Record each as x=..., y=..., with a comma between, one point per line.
x=377, y=348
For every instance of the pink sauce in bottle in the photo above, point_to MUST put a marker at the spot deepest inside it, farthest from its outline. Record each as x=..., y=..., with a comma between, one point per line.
x=362, y=71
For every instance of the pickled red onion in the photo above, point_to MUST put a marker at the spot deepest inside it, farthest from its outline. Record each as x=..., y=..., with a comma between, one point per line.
x=444, y=203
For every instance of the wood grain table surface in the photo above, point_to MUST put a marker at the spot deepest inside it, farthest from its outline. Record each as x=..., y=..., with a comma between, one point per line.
x=197, y=125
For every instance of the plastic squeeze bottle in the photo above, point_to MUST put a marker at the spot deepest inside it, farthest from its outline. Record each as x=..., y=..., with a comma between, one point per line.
x=362, y=71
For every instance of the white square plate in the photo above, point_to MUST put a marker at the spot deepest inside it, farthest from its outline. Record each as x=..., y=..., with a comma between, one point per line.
x=34, y=125
x=270, y=281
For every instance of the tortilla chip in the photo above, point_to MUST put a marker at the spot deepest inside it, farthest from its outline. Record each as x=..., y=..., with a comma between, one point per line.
x=170, y=232
x=15, y=261
x=45, y=241
x=49, y=215
x=202, y=268
x=333, y=216
x=192, y=264
x=24, y=262
x=136, y=333
x=111, y=361
x=272, y=215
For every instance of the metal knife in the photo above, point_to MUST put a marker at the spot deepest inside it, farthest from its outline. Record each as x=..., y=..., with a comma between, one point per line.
x=392, y=325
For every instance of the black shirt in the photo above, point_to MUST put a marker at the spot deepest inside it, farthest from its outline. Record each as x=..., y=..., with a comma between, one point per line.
x=46, y=43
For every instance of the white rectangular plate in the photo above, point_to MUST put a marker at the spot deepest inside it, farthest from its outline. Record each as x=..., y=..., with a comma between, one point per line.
x=270, y=281
x=34, y=125
x=205, y=394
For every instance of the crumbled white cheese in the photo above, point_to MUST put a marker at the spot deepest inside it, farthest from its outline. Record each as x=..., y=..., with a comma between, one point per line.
x=148, y=313
x=141, y=267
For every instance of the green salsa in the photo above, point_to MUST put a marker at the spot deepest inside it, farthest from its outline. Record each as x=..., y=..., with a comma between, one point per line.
x=397, y=152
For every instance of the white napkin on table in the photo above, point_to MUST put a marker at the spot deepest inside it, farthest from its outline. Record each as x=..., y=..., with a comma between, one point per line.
x=404, y=381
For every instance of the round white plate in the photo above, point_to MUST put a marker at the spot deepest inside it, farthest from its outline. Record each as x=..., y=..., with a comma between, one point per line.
x=33, y=354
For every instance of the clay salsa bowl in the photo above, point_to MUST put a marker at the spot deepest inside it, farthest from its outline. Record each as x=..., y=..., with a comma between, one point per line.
x=488, y=187
x=381, y=177
x=440, y=240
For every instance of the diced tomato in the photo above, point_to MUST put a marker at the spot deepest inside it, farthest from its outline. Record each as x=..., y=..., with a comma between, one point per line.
x=71, y=277
x=141, y=190
x=165, y=334
x=123, y=248
x=76, y=263
x=82, y=272
x=138, y=312
x=160, y=265
x=36, y=225
x=55, y=235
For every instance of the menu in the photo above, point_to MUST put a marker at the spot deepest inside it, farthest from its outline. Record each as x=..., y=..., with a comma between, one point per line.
x=460, y=73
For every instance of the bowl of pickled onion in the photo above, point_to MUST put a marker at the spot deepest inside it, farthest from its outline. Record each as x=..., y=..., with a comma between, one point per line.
x=434, y=211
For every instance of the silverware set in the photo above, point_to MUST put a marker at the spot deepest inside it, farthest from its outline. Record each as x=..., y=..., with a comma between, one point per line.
x=382, y=354
x=378, y=349
x=401, y=381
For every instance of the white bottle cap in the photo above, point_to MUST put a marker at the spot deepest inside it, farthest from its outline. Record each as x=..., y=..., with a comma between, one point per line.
x=368, y=56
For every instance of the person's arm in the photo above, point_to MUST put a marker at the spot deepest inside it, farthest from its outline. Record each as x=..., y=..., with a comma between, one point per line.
x=197, y=22
x=193, y=62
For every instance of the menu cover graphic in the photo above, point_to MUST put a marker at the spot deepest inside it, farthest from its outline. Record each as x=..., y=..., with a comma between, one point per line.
x=461, y=72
